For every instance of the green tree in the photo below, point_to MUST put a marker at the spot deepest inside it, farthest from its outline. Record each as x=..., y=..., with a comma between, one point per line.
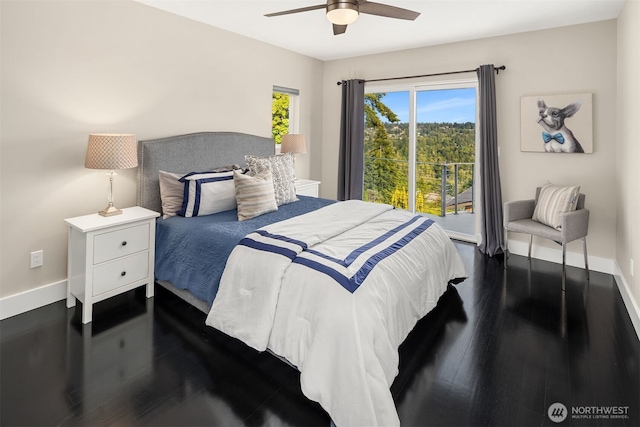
x=279, y=116
x=383, y=174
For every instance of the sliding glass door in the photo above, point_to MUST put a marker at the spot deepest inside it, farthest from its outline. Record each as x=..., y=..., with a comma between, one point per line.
x=420, y=151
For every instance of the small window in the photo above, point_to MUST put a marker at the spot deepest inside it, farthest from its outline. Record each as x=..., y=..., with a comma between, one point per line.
x=284, y=112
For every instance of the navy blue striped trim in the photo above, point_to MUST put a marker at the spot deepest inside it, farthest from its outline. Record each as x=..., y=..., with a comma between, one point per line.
x=344, y=281
x=196, y=202
x=359, y=251
x=353, y=283
x=250, y=243
x=184, y=178
x=213, y=179
x=264, y=233
x=185, y=201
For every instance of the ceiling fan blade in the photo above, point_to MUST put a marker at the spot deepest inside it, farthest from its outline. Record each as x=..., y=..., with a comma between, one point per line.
x=302, y=9
x=387, y=11
x=339, y=29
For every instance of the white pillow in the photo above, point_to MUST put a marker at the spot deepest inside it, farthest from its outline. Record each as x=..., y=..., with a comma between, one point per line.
x=254, y=194
x=554, y=201
x=284, y=177
x=207, y=193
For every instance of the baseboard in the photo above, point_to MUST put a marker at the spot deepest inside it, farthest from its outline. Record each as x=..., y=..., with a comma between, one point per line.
x=603, y=265
x=629, y=301
x=30, y=300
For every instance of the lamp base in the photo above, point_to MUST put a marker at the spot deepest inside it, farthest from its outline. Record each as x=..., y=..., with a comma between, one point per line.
x=110, y=211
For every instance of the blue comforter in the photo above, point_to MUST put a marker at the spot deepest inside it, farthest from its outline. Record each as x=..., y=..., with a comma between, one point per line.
x=191, y=253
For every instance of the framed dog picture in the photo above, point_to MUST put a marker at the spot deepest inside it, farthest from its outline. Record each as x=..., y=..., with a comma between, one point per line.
x=556, y=123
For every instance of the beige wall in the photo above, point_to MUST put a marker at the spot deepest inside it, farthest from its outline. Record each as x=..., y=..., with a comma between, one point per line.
x=628, y=147
x=574, y=59
x=70, y=68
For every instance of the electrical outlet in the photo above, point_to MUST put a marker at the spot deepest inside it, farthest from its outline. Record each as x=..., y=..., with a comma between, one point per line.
x=631, y=266
x=37, y=258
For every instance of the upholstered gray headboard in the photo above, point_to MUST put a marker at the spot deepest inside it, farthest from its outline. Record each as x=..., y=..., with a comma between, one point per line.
x=192, y=152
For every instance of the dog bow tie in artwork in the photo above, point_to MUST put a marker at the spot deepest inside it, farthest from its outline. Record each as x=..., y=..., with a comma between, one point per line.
x=546, y=137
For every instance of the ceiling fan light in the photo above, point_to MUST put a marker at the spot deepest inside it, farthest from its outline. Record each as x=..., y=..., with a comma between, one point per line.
x=342, y=12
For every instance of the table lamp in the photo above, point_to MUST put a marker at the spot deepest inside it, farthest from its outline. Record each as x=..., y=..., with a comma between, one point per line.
x=111, y=151
x=293, y=143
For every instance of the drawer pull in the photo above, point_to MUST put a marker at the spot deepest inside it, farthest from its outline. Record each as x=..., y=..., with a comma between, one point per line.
x=124, y=273
x=124, y=243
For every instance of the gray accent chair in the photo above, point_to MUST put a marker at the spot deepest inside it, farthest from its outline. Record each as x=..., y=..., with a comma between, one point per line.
x=575, y=225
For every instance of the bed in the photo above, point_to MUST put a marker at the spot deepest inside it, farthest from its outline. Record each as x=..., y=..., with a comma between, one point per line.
x=333, y=288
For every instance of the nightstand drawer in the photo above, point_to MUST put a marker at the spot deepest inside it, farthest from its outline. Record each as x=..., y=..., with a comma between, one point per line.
x=119, y=273
x=115, y=244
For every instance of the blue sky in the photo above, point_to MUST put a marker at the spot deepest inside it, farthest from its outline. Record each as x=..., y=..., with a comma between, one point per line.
x=436, y=106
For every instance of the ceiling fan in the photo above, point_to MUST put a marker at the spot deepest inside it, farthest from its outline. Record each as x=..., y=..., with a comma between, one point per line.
x=344, y=12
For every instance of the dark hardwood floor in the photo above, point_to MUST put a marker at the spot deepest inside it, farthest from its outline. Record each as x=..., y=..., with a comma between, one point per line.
x=499, y=350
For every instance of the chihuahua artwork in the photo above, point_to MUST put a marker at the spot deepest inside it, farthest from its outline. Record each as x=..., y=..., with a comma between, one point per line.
x=558, y=126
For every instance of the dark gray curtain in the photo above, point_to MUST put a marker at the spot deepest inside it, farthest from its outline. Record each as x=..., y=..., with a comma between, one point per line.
x=351, y=160
x=491, y=193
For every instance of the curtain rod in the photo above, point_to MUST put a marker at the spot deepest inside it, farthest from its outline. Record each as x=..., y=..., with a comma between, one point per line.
x=502, y=67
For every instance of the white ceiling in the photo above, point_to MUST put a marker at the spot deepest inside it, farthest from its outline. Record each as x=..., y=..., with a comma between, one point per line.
x=441, y=21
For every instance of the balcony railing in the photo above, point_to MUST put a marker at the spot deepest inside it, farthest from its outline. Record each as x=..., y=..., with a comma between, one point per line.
x=445, y=188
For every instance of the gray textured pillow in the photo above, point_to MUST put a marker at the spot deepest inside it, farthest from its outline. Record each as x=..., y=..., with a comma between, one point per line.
x=284, y=177
x=254, y=194
x=554, y=201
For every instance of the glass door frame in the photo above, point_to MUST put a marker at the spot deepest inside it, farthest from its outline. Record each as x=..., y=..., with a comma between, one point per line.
x=413, y=87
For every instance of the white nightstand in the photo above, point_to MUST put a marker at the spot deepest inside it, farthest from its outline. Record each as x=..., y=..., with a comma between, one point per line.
x=307, y=187
x=109, y=255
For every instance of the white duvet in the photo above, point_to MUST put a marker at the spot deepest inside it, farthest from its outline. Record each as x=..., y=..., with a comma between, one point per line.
x=335, y=292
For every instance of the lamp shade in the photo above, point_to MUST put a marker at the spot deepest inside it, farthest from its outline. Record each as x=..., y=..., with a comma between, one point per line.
x=341, y=12
x=293, y=143
x=111, y=151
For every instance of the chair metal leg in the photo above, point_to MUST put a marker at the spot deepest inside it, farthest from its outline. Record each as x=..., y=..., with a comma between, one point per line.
x=586, y=261
x=530, y=244
x=506, y=247
x=564, y=265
